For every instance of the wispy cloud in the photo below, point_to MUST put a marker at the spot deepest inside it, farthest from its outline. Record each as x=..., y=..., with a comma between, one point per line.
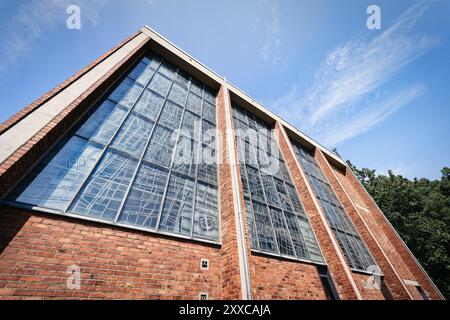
x=345, y=98
x=269, y=22
x=36, y=17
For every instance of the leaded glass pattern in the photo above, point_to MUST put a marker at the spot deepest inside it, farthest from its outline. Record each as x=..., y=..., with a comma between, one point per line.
x=354, y=249
x=144, y=158
x=276, y=220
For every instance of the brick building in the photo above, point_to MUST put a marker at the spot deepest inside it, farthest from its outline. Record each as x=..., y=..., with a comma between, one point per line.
x=148, y=176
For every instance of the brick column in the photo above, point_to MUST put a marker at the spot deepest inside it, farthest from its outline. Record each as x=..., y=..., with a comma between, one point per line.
x=391, y=276
x=406, y=255
x=234, y=252
x=333, y=256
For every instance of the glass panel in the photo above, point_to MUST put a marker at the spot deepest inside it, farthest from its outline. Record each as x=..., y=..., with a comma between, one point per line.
x=160, y=84
x=145, y=198
x=297, y=236
x=270, y=190
x=206, y=224
x=160, y=147
x=167, y=69
x=264, y=228
x=177, y=211
x=197, y=87
x=103, y=123
x=210, y=96
x=192, y=126
x=255, y=185
x=209, y=112
x=251, y=224
x=105, y=189
x=149, y=104
x=55, y=182
x=133, y=135
x=127, y=93
x=178, y=94
x=153, y=61
x=185, y=155
x=194, y=103
x=281, y=232
x=171, y=115
x=182, y=78
x=142, y=73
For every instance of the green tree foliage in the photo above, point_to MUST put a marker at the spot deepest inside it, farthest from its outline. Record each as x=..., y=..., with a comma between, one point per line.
x=419, y=210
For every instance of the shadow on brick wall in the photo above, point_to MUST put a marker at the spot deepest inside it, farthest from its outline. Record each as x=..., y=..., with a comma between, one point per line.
x=11, y=222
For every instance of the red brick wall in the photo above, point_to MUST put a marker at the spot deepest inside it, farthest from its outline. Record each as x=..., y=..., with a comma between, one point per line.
x=116, y=263
x=232, y=288
x=275, y=278
x=377, y=229
x=392, y=279
x=368, y=292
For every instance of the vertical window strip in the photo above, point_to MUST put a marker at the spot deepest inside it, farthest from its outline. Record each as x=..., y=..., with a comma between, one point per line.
x=354, y=249
x=269, y=195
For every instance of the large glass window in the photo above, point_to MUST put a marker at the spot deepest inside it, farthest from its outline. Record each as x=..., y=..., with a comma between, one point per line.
x=144, y=158
x=276, y=220
x=356, y=253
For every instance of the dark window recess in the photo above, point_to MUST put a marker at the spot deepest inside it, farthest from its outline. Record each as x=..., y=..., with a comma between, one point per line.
x=385, y=291
x=422, y=293
x=327, y=282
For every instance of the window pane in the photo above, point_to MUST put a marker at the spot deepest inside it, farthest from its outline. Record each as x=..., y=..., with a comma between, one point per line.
x=145, y=198
x=264, y=228
x=281, y=232
x=103, y=123
x=178, y=94
x=194, y=103
x=251, y=224
x=192, y=126
x=177, y=211
x=133, y=135
x=127, y=93
x=160, y=147
x=56, y=180
x=171, y=115
x=209, y=112
x=142, y=73
x=105, y=189
x=297, y=236
x=210, y=96
x=160, y=84
x=206, y=224
x=183, y=78
x=185, y=157
x=197, y=87
x=167, y=69
x=149, y=104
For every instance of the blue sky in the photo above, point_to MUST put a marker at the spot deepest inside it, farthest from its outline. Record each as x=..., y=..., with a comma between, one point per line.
x=380, y=96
